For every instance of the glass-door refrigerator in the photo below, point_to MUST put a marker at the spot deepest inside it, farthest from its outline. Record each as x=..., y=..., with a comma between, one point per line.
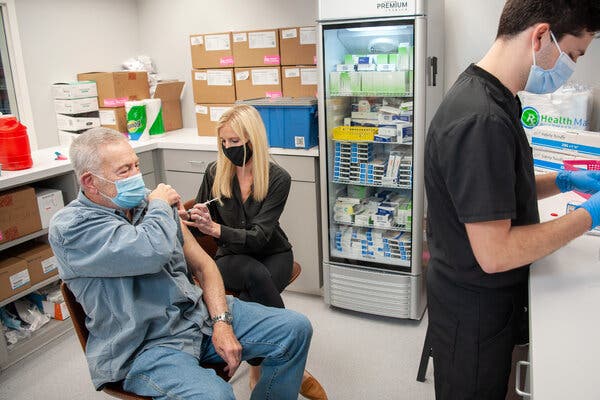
x=379, y=85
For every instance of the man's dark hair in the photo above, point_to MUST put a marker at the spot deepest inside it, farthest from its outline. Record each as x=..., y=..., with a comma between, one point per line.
x=564, y=16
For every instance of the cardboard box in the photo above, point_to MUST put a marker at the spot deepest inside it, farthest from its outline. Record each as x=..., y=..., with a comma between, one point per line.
x=211, y=51
x=76, y=106
x=40, y=260
x=57, y=311
x=14, y=277
x=256, y=48
x=207, y=117
x=298, y=46
x=213, y=85
x=19, y=214
x=115, y=88
x=78, y=122
x=49, y=202
x=114, y=118
x=253, y=83
x=74, y=90
x=169, y=92
x=299, y=81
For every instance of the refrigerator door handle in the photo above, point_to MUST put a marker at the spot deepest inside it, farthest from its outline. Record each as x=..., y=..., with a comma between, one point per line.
x=432, y=71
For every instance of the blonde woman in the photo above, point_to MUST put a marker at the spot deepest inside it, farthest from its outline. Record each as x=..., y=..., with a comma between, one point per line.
x=248, y=194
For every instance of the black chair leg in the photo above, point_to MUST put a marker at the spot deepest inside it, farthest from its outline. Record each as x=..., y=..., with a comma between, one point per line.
x=425, y=354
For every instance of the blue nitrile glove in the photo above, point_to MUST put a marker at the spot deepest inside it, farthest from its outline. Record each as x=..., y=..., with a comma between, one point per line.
x=592, y=206
x=583, y=181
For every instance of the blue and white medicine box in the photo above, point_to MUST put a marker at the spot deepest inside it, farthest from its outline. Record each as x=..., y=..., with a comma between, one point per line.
x=290, y=123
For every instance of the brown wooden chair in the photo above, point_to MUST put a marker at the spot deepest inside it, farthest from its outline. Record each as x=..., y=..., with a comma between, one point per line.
x=209, y=244
x=114, y=389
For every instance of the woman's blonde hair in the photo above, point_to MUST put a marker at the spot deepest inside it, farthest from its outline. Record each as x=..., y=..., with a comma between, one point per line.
x=247, y=123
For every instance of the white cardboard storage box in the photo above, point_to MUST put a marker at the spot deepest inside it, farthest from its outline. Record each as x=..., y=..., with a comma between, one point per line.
x=49, y=202
x=76, y=106
x=74, y=90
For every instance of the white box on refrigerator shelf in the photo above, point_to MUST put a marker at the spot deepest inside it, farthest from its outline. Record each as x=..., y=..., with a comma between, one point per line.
x=66, y=137
x=49, y=202
x=74, y=90
x=76, y=106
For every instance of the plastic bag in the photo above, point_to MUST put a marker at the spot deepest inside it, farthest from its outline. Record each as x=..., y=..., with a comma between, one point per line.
x=143, y=63
x=29, y=313
x=570, y=107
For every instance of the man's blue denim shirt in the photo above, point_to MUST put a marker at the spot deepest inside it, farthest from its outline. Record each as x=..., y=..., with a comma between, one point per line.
x=131, y=279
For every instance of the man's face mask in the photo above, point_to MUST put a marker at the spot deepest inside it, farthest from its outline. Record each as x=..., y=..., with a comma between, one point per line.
x=130, y=191
x=541, y=81
x=236, y=154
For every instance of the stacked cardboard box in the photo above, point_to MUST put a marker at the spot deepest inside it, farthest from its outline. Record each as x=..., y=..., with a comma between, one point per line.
x=252, y=64
x=114, y=89
x=212, y=79
x=76, y=107
x=298, y=60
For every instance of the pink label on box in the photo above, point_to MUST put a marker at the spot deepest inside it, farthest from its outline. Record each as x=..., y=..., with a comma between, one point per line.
x=118, y=102
x=271, y=60
x=273, y=95
x=314, y=59
x=0, y=235
x=224, y=61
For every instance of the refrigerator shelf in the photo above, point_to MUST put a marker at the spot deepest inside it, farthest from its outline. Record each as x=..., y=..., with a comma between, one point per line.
x=382, y=260
x=359, y=183
x=371, y=141
x=395, y=227
x=370, y=94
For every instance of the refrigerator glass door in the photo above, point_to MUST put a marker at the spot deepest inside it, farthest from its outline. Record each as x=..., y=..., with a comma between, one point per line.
x=369, y=78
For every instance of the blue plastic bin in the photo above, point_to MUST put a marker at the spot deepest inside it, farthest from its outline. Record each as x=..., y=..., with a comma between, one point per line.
x=291, y=124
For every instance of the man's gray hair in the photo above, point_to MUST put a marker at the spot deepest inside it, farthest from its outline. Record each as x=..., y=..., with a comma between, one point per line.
x=85, y=149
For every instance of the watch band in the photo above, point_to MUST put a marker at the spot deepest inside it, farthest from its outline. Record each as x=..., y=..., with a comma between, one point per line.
x=224, y=317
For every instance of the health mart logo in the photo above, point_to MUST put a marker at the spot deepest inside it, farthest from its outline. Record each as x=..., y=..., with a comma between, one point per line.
x=530, y=117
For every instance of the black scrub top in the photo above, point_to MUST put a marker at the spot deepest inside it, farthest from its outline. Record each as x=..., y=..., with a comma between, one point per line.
x=478, y=167
x=250, y=227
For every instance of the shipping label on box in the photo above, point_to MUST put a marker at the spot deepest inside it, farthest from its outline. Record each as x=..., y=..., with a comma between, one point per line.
x=74, y=90
x=299, y=81
x=76, y=106
x=49, y=202
x=211, y=51
x=40, y=260
x=19, y=215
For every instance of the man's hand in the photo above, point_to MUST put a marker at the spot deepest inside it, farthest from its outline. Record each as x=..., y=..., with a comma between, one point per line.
x=227, y=346
x=165, y=193
x=583, y=181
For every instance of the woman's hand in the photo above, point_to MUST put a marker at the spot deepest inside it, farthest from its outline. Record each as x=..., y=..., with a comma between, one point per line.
x=199, y=216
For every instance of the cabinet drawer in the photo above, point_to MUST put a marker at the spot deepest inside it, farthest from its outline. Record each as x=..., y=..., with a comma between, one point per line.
x=186, y=184
x=146, y=162
x=188, y=160
x=299, y=168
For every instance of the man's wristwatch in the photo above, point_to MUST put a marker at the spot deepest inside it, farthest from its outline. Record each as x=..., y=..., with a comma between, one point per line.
x=225, y=317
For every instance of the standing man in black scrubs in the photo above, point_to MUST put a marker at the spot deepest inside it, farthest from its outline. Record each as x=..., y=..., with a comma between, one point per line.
x=483, y=223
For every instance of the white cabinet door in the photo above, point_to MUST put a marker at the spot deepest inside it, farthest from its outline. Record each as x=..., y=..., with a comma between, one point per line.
x=186, y=184
x=300, y=223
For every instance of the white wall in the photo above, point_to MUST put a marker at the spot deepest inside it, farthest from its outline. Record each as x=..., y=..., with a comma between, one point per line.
x=60, y=38
x=165, y=28
x=470, y=30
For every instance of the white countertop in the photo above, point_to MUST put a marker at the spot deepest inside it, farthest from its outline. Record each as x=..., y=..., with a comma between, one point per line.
x=45, y=164
x=564, y=300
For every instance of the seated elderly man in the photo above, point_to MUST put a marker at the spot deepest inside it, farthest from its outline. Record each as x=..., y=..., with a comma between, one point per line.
x=126, y=257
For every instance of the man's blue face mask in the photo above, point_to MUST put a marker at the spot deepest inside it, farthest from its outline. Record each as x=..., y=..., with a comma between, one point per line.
x=130, y=191
x=541, y=81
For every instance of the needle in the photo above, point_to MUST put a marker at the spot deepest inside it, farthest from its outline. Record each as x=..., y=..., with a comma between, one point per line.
x=205, y=203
